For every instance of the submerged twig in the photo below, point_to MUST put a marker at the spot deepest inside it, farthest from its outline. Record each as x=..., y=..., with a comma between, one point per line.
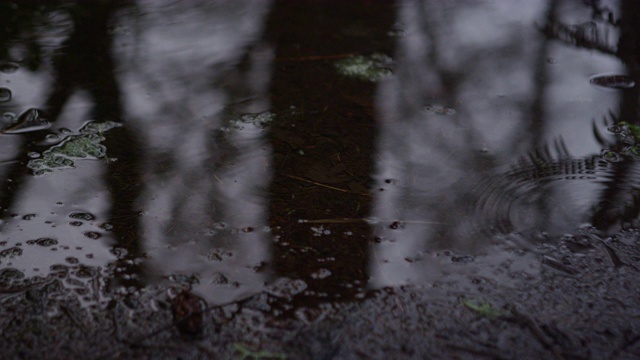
x=325, y=185
x=333, y=221
x=553, y=263
x=9, y=162
x=184, y=320
x=531, y=324
x=368, y=221
x=613, y=257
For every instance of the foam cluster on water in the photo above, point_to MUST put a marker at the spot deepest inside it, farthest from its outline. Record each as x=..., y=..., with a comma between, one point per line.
x=373, y=68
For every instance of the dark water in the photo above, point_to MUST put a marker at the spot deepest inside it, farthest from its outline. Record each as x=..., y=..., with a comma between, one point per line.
x=312, y=149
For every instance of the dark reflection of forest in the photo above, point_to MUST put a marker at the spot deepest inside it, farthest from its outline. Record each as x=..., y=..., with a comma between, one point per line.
x=186, y=171
x=82, y=62
x=323, y=165
x=181, y=196
x=244, y=157
x=477, y=140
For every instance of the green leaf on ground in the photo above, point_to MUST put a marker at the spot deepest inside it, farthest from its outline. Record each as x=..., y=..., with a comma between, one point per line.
x=483, y=309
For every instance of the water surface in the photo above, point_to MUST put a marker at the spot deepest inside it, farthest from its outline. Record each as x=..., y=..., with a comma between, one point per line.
x=311, y=150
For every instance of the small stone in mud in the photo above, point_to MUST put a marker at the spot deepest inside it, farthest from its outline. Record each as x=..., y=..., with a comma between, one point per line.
x=188, y=316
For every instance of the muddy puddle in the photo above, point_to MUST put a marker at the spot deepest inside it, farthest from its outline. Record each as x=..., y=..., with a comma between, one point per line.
x=292, y=167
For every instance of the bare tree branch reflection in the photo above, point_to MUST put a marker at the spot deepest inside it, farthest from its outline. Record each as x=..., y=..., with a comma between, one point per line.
x=619, y=200
x=443, y=175
x=85, y=62
x=183, y=163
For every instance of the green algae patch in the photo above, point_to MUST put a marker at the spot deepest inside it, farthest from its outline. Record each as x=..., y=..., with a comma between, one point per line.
x=85, y=145
x=371, y=68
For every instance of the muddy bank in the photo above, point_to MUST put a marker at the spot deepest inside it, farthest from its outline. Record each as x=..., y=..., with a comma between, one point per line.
x=582, y=305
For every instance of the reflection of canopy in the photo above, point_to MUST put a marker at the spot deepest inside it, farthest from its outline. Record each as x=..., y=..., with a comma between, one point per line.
x=198, y=209
x=163, y=67
x=451, y=180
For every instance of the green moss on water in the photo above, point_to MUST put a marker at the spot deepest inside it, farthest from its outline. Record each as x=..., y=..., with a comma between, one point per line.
x=65, y=154
x=370, y=68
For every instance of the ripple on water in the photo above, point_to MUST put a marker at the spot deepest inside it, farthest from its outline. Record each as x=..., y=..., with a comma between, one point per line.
x=520, y=198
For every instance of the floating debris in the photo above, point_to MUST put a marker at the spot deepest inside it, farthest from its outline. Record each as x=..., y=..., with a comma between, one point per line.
x=286, y=288
x=5, y=94
x=630, y=135
x=617, y=82
x=92, y=235
x=626, y=130
x=611, y=156
x=9, y=67
x=11, y=252
x=30, y=120
x=439, y=110
x=371, y=68
x=82, y=216
x=97, y=127
x=8, y=117
x=259, y=120
x=46, y=242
